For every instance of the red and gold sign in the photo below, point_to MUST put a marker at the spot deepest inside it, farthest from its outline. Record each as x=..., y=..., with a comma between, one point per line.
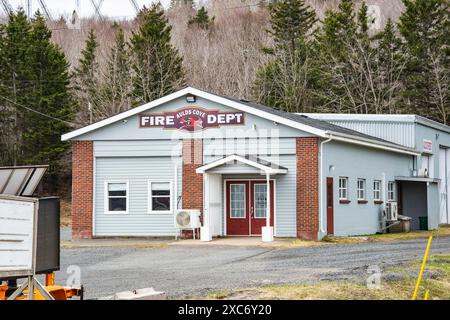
x=191, y=119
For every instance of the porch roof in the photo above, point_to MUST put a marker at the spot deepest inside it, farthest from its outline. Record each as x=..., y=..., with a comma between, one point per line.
x=252, y=161
x=417, y=179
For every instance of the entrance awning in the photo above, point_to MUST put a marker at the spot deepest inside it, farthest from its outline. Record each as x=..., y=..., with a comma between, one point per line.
x=264, y=166
x=417, y=179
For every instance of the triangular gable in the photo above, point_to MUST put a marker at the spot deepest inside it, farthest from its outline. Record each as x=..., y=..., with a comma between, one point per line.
x=254, y=162
x=199, y=93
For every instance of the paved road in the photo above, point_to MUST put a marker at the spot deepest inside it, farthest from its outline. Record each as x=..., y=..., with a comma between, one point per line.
x=186, y=270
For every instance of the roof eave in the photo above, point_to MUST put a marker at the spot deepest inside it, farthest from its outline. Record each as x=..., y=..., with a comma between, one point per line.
x=371, y=143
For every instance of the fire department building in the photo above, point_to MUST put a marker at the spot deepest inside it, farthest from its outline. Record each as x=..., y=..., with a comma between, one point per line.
x=255, y=171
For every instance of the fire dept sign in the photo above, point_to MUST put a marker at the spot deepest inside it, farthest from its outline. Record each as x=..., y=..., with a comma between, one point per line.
x=191, y=119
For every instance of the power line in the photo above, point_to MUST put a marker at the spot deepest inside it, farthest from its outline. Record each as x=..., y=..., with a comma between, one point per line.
x=35, y=111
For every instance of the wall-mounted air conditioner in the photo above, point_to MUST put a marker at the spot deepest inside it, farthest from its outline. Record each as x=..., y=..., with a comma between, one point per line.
x=188, y=219
x=392, y=211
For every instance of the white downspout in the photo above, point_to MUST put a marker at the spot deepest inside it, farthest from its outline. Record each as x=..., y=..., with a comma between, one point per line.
x=321, y=197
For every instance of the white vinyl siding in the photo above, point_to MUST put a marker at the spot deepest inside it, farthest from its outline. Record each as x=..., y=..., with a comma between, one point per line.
x=377, y=190
x=138, y=171
x=343, y=188
x=361, y=189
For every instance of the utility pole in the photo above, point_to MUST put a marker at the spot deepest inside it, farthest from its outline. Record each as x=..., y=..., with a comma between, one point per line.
x=6, y=7
x=135, y=6
x=44, y=7
x=29, y=8
x=97, y=6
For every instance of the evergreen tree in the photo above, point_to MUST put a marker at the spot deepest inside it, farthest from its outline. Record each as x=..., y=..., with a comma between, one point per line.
x=290, y=21
x=285, y=83
x=201, y=19
x=389, y=66
x=49, y=94
x=115, y=93
x=35, y=100
x=15, y=83
x=343, y=47
x=425, y=27
x=157, y=65
x=86, y=79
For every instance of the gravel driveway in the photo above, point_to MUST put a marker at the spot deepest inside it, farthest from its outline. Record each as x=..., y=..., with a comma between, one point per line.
x=193, y=270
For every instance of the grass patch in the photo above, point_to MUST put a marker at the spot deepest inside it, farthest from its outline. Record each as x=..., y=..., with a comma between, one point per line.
x=443, y=231
x=439, y=287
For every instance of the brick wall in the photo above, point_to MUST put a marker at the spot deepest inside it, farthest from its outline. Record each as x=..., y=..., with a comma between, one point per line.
x=82, y=193
x=192, y=195
x=307, y=150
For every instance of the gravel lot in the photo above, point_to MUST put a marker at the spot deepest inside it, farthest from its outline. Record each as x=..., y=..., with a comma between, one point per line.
x=194, y=270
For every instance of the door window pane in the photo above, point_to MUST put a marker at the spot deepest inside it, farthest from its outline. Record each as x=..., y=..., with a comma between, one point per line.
x=237, y=194
x=260, y=200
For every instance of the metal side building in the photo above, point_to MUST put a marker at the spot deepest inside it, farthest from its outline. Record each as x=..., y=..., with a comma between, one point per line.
x=249, y=169
x=430, y=137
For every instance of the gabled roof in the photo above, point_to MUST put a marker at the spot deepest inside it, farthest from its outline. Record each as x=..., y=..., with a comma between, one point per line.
x=315, y=127
x=263, y=165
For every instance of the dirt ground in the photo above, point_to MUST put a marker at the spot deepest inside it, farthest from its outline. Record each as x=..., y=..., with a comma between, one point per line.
x=187, y=271
x=397, y=284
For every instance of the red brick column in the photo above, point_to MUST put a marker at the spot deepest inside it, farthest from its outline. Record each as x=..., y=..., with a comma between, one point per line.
x=82, y=188
x=192, y=182
x=307, y=150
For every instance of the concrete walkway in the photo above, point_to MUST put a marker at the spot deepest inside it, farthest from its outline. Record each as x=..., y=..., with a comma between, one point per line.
x=235, y=242
x=143, y=242
x=164, y=242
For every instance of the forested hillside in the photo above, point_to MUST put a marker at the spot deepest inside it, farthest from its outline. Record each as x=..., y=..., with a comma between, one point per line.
x=294, y=55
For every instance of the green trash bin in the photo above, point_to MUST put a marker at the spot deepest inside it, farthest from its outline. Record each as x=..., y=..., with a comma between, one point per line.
x=423, y=223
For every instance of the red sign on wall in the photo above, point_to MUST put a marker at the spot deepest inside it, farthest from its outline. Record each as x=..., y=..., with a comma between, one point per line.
x=191, y=119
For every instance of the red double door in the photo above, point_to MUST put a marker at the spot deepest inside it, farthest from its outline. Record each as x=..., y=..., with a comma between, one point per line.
x=246, y=207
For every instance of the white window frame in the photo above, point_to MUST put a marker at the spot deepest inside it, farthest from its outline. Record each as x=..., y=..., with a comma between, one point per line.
x=363, y=189
x=389, y=192
x=375, y=198
x=245, y=200
x=106, y=195
x=342, y=188
x=149, y=197
x=254, y=201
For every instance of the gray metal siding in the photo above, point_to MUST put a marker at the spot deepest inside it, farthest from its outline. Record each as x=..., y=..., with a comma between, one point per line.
x=138, y=148
x=397, y=132
x=137, y=171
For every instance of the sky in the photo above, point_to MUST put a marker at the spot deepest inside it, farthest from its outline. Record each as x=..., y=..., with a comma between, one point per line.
x=111, y=8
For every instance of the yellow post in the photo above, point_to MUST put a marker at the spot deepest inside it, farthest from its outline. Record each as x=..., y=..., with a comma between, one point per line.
x=427, y=293
x=422, y=268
